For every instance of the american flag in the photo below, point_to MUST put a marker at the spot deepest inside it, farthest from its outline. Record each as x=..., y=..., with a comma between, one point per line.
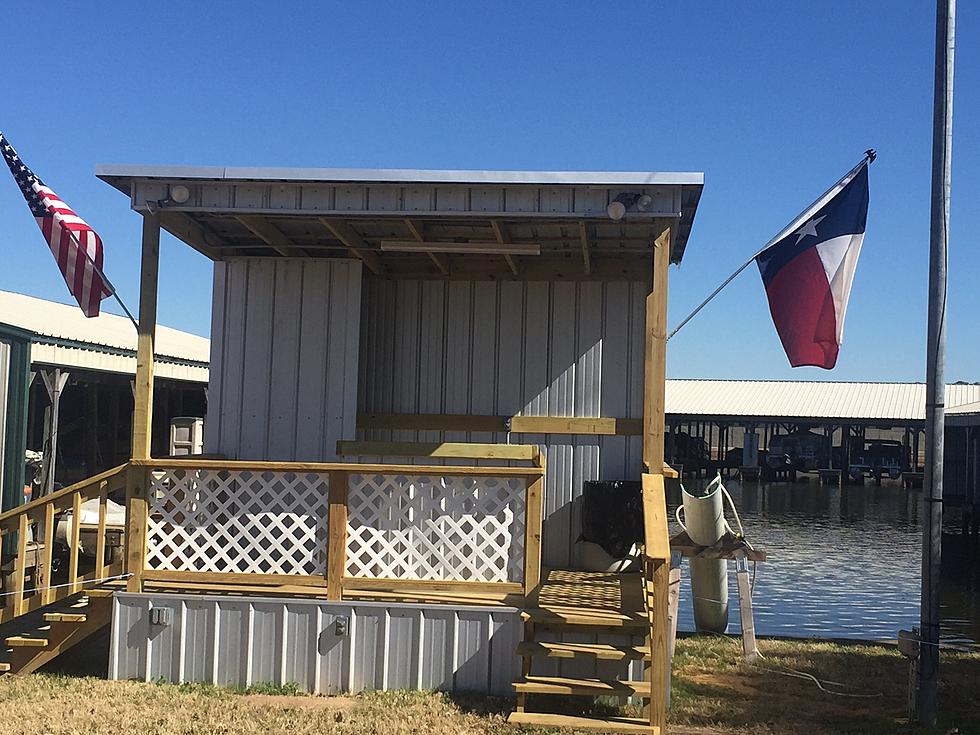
x=75, y=245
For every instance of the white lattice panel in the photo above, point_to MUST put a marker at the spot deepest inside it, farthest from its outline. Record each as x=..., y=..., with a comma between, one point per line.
x=440, y=528
x=237, y=521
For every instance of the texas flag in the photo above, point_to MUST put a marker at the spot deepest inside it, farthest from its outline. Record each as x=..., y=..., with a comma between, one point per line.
x=808, y=270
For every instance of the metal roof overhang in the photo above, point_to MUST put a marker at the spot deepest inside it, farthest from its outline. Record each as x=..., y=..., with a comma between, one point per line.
x=421, y=223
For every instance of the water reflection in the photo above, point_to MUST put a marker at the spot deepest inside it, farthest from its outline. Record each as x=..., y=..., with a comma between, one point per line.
x=843, y=563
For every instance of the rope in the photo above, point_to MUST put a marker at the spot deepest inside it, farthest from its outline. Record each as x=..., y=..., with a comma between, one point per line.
x=80, y=582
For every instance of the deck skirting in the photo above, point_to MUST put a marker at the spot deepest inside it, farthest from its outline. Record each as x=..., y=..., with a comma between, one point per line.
x=323, y=647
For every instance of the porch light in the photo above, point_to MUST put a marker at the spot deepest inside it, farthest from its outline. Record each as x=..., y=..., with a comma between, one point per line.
x=618, y=206
x=179, y=194
x=480, y=248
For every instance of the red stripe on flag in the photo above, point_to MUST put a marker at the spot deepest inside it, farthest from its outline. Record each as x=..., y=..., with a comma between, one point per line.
x=802, y=308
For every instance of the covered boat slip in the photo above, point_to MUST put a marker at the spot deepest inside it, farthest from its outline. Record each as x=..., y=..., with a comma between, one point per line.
x=412, y=374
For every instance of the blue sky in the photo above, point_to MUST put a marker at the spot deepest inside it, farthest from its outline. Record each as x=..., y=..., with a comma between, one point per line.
x=772, y=101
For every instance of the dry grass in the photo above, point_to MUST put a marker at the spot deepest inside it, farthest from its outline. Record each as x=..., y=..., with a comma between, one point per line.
x=714, y=693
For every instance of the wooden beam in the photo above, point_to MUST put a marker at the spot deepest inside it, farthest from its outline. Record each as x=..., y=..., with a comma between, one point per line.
x=187, y=229
x=440, y=260
x=143, y=406
x=518, y=424
x=655, y=353
x=349, y=237
x=271, y=235
x=498, y=230
x=583, y=233
x=455, y=450
x=431, y=421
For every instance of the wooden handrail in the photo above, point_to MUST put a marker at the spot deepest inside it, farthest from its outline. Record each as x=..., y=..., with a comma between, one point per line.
x=38, y=556
x=441, y=450
x=65, y=492
x=327, y=467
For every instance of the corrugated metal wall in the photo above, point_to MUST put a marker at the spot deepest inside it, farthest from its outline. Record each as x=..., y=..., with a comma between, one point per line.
x=284, y=346
x=244, y=641
x=503, y=348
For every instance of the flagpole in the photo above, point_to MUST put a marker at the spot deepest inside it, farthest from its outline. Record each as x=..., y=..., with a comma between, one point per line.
x=932, y=496
x=112, y=289
x=869, y=157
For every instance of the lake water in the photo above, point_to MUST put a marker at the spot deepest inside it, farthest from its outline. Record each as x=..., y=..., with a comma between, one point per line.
x=842, y=563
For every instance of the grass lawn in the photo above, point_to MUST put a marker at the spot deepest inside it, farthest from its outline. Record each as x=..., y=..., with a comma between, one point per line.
x=714, y=693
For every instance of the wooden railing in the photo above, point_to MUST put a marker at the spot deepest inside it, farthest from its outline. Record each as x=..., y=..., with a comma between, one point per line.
x=339, y=526
x=363, y=529
x=656, y=573
x=30, y=528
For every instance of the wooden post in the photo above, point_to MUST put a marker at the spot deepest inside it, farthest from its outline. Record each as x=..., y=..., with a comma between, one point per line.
x=20, y=567
x=143, y=406
x=74, y=541
x=44, y=581
x=532, y=534
x=137, y=479
x=337, y=535
x=100, y=539
x=655, y=353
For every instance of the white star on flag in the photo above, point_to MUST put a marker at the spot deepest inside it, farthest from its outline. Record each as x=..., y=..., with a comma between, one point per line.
x=810, y=228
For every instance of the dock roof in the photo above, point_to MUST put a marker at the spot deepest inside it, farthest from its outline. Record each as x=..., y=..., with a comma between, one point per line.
x=65, y=337
x=817, y=401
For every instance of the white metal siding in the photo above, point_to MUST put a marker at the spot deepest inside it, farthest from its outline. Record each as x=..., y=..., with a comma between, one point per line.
x=283, y=358
x=506, y=348
x=244, y=641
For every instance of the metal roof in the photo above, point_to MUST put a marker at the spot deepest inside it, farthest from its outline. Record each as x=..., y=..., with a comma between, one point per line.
x=372, y=213
x=401, y=175
x=805, y=400
x=64, y=336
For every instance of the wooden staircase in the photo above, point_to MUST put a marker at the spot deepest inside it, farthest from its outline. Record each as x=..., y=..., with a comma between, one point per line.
x=585, y=623
x=600, y=634
x=46, y=635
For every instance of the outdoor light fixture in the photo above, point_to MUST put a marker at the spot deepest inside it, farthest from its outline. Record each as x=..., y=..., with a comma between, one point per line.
x=644, y=203
x=484, y=248
x=618, y=206
x=179, y=194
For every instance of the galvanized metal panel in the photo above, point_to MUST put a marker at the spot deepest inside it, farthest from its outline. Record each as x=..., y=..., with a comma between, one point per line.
x=833, y=401
x=535, y=348
x=245, y=641
x=285, y=343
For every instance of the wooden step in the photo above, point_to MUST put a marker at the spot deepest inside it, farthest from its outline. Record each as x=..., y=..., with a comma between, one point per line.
x=23, y=641
x=575, y=723
x=585, y=687
x=65, y=617
x=583, y=617
x=603, y=651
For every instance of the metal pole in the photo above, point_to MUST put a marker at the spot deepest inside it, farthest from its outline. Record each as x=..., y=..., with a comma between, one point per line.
x=942, y=148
